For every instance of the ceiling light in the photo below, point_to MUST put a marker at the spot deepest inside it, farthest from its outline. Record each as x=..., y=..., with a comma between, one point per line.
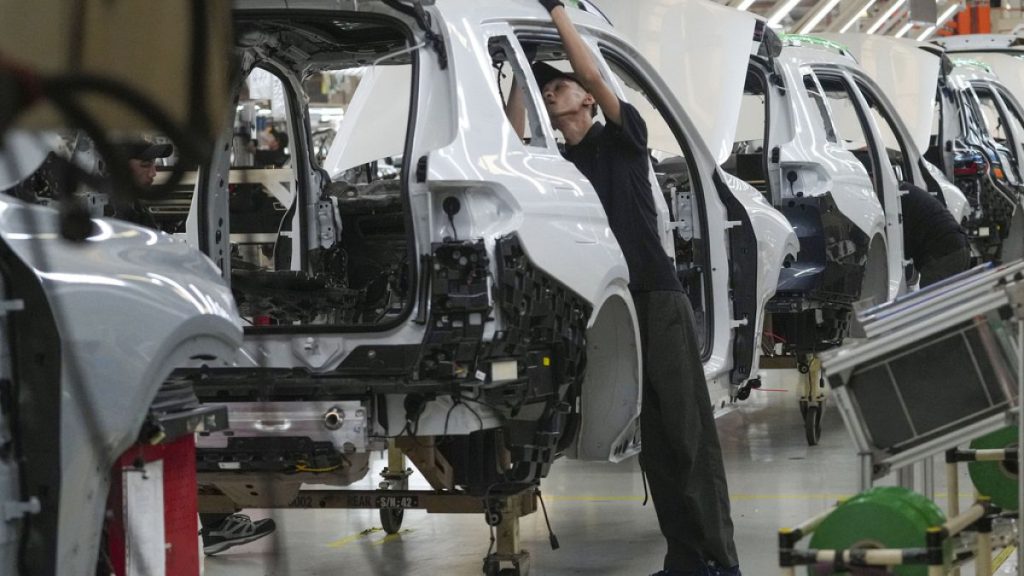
x=781, y=13
x=745, y=4
x=926, y=32
x=817, y=18
x=856, y=17
x=886, y=15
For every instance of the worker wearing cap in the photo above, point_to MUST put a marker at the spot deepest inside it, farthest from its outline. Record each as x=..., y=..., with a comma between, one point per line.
x=681, y=452
x=142, y=158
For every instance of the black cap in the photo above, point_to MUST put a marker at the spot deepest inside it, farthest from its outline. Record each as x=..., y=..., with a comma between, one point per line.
x=146, y=150
x=545, y=73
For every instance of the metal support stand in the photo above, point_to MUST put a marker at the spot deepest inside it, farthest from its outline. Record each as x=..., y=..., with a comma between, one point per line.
x=396, y=477
x=953, y=496
x=1020, y=431
x=509, y=558
x=812, y=402
x=867, y=469
x=928, y=477
x=905, y=477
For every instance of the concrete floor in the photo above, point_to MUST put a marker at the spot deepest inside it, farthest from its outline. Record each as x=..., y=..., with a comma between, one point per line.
x=775, y=480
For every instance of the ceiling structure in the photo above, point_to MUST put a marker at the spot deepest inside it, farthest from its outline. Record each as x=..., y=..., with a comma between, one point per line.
x=889, y=17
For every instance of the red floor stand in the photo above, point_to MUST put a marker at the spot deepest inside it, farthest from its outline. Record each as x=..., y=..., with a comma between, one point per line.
x=152, y=527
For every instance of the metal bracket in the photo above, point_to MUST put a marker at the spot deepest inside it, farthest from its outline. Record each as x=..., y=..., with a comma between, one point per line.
x=16, y=510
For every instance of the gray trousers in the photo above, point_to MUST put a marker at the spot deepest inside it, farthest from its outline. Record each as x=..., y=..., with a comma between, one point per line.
x=681, y=454
x=945, y=266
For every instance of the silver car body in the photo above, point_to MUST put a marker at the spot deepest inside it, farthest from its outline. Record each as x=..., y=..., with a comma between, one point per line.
x=102, y=323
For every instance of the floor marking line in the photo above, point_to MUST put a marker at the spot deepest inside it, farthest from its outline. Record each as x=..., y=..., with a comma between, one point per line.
x=391, y=537
x=997, y=563
x=350, y=539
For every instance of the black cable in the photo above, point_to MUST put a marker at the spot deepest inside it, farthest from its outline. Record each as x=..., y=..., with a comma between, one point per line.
x=551, y=533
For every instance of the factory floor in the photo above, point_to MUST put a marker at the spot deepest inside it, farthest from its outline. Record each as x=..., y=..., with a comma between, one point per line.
x=775, y=480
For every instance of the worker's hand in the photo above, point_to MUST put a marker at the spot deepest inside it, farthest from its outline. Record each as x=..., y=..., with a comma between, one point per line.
x=550, y=5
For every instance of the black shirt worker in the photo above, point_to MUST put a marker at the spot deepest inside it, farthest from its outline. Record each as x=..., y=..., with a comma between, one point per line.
x=681, y=452
x=932, y=238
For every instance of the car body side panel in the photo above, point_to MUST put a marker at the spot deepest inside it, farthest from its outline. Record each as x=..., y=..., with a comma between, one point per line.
x=953, y=197
x=558, y=218
x=130, y=305
x=776, y=241
x=845, y=176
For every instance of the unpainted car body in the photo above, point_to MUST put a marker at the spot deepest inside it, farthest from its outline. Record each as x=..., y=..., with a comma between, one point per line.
x=907, y=72
x=514, y=334
x=846, y=216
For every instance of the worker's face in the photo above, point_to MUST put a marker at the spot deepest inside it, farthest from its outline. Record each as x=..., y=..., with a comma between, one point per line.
x=143, y=172
x=563, y=97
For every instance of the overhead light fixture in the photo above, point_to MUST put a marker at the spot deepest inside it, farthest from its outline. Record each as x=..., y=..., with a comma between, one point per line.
x=782, y=12
x=903, y=30
x=886, y=15
x=849, y=24
x=817, y=18
x=745, y=4
x=942, y=20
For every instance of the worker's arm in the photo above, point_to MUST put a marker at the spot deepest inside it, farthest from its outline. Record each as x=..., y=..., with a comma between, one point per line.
x=582, y=61
x=515, y=108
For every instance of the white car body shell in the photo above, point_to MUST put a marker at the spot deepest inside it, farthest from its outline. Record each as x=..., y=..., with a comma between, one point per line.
x=907, y=75
x=505, y=186
x=803, y=144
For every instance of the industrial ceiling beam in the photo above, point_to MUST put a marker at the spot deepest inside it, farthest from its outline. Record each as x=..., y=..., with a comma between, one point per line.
x=782, y=9
x=885, y=15
x=946, y=16
x=849, y=17
x=815, y=15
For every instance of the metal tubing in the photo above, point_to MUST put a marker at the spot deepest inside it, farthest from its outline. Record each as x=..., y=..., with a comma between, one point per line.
x=953, y=497
x=957, y=525
x=928, y=477
x=1020, y=434
x=953, y=489
x=396, y=459
x=983, y=554
x=992, y=455
x=866, y=471
x=905, y=477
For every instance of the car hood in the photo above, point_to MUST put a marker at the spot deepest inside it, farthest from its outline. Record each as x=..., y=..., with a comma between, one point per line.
x=904, y=71
x=698, y=48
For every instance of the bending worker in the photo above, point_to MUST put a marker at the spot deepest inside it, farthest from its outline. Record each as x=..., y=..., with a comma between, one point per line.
x=932, y=238
x=681, y=453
